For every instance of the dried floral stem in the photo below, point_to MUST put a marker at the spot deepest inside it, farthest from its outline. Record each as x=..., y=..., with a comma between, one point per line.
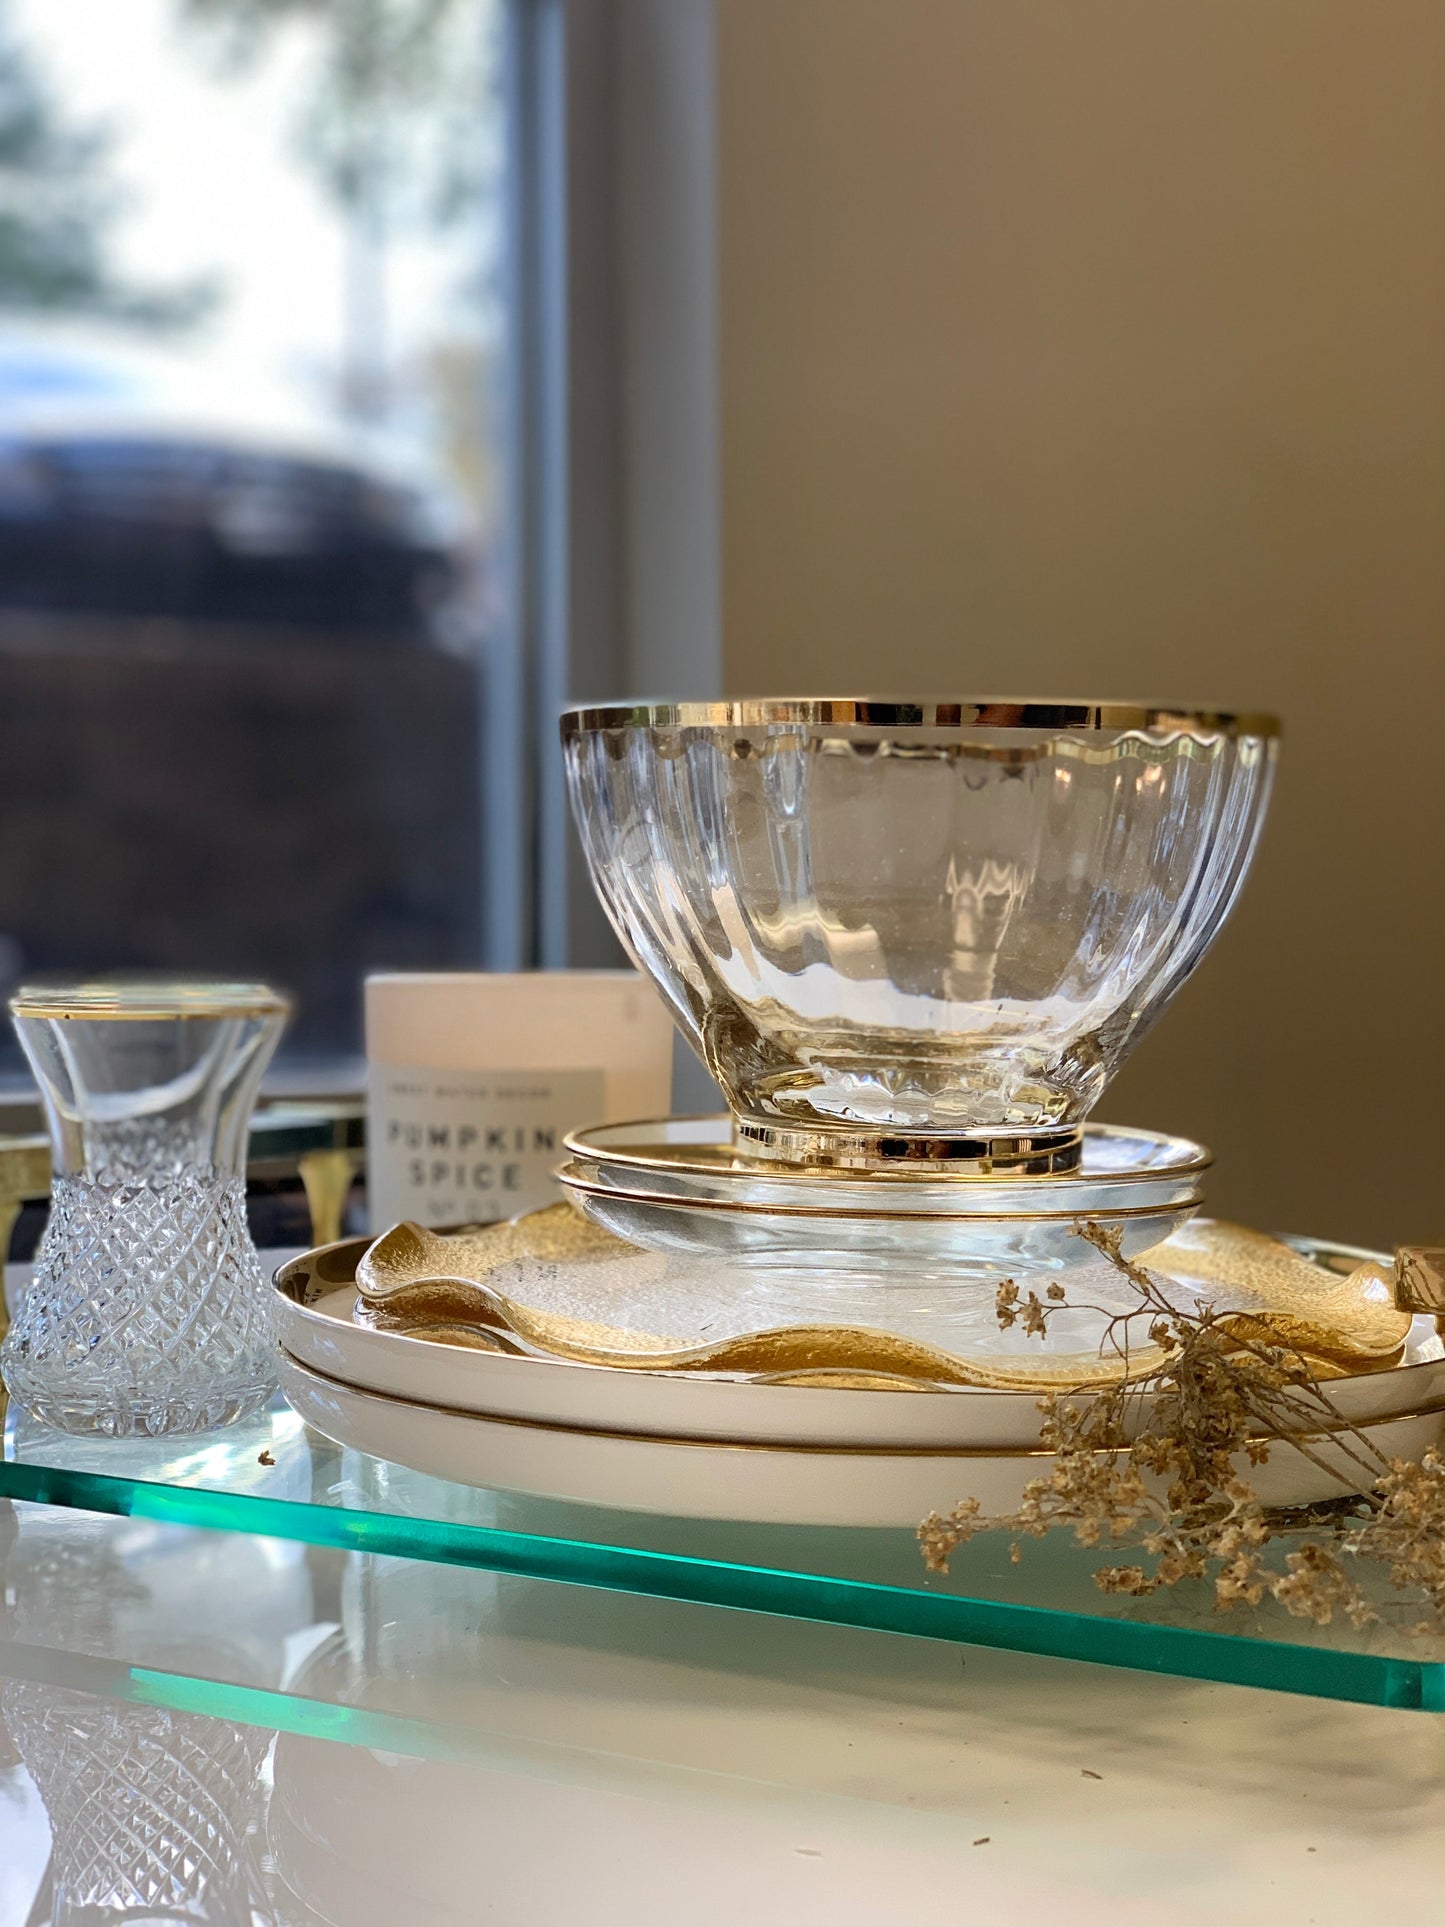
x=1153, y=1463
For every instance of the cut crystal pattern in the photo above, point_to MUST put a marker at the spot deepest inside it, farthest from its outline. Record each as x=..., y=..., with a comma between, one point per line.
x=148, y=1808
x=148, y=1311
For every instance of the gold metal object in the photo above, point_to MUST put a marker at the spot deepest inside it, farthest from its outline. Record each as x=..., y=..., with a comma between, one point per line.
x=824, y=1448
x=327, y=1177
x=825, y=1147
x=286, y=1135
x=1420, y=1279
x=889, y=713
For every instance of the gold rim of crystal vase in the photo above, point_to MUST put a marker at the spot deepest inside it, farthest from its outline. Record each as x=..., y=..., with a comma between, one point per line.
x=869, y=712
x=147, y=999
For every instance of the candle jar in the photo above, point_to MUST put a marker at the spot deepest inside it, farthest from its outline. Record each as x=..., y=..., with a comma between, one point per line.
x=148, y=1312
x=477, y=1077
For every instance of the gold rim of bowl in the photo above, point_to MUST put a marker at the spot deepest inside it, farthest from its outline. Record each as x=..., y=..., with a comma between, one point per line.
x=964, y=713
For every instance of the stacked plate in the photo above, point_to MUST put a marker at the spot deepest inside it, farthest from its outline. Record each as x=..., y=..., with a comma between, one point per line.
x=718, y=1445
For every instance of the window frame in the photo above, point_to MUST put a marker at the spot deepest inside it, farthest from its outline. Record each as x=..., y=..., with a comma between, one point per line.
x=612, y=445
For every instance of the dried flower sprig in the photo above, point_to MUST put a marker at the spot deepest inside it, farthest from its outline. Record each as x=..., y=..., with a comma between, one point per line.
x=1153, y=1463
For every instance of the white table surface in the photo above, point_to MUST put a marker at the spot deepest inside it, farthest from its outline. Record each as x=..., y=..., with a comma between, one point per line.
x=556, y=1754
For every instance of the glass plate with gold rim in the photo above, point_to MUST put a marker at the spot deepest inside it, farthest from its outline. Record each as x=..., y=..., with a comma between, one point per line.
x=681, y=1185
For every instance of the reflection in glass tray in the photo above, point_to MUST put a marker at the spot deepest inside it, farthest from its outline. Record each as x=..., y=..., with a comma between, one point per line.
x=272, y=1475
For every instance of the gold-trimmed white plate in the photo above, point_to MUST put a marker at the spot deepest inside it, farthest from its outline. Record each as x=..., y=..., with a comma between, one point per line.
x=316, y=1295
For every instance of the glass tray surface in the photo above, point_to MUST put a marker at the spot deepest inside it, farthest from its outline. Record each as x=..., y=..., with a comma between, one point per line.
x=272, y=1475
x=391, y=1738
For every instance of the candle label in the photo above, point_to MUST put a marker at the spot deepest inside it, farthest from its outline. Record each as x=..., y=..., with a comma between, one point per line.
x=470, y=1147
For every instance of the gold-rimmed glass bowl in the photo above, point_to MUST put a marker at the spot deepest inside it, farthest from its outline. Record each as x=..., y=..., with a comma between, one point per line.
x=915, y=922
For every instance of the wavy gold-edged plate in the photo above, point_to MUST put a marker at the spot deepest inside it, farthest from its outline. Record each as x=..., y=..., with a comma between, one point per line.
x=412, y=1280
x=1283, y=1297
x=471, y=1367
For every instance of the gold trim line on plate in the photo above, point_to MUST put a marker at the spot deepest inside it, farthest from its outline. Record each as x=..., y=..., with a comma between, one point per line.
x=810, y=1448
x=819, y=1146
x=885, y=712
x=582, y=1143
x=589, y=1188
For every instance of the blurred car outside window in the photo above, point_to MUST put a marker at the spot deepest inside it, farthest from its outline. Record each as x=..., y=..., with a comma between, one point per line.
x=249, y=334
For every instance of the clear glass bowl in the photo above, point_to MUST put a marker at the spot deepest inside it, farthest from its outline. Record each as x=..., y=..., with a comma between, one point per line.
x=916, y=918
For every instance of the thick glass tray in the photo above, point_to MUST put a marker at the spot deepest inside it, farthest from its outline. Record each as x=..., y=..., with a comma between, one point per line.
x=392, y=1741
x=274, y=1476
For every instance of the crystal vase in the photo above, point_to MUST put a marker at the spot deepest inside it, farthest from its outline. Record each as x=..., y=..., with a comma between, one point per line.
x=148, y=1311
x=148, y=1808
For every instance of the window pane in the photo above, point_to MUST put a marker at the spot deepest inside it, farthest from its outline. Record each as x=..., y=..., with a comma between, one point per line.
x=249, y=326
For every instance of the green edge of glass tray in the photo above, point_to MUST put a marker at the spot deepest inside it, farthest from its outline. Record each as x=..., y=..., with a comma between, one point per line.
x=327, y=1496
x=277, y=1710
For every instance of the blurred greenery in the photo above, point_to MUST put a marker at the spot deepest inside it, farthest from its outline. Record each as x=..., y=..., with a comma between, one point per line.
x=59, y=199
x=393, y=122
x=394, y=113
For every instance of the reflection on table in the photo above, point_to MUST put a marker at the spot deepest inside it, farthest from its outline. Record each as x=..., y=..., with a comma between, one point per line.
x=229, y=1729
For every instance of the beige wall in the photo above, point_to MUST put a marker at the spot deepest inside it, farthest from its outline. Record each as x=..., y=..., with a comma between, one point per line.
x=1098, y=347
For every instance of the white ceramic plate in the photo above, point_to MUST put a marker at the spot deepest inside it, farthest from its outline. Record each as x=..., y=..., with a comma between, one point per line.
x=315, y=1301
x=763, y=1484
